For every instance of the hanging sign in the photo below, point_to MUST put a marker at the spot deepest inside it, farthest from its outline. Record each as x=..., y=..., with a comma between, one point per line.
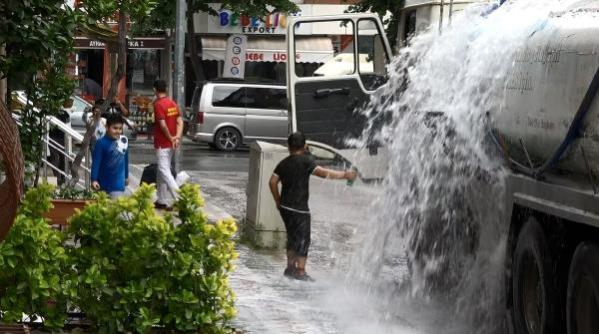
x=235, y=57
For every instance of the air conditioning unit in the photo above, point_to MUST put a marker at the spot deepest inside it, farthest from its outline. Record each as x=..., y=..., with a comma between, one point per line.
x=263, y=224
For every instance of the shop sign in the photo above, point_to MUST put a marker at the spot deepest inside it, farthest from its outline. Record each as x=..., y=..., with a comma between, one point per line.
x=136, y=43
x=235, y=57
x=279, y=57
x=271, y=24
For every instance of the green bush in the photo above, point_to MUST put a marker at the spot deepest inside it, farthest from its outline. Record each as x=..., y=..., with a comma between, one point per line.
x=132, y=268
x=32, y=261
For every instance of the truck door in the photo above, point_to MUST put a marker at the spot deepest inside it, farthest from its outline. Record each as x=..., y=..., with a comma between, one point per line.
x=325, y=93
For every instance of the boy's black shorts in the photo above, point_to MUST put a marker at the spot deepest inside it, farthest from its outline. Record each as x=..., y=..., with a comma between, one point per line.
x=297, y=225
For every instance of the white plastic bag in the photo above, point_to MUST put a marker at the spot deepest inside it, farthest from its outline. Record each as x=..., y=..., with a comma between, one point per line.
x=182, y=178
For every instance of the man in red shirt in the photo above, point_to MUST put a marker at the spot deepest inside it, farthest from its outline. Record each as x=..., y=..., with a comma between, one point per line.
x=167, y=138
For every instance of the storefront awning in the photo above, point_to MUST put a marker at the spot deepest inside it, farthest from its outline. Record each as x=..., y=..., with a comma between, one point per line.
x=271, y=49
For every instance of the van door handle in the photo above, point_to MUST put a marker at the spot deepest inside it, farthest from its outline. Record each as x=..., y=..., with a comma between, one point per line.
x=319, y=93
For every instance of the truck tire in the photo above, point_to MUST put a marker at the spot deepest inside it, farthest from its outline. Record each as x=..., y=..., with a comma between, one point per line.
x=227, y=139
x=582, y=307
x=534, y=289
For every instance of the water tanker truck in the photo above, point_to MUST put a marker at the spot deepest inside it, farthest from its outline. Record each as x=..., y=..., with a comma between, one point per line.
x=547, y=129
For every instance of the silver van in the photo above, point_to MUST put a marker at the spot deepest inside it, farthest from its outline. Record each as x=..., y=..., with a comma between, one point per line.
x=233, y=113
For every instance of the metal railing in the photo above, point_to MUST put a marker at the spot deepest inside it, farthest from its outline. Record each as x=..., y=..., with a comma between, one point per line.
x=64, y=151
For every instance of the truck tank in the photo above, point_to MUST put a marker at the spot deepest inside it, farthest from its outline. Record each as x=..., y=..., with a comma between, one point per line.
x=548, y=119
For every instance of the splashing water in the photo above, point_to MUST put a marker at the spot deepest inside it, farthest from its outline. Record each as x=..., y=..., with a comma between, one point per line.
x=436, y=245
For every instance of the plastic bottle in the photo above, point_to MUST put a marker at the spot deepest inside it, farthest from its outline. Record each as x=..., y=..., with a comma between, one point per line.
x=351, y=182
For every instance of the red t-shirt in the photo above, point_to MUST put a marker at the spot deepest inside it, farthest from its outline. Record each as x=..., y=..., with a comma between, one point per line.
x=166, y=109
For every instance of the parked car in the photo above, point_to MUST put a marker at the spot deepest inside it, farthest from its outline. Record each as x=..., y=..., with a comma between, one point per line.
x=230, y=114
x=79, y=112
x=343, y=64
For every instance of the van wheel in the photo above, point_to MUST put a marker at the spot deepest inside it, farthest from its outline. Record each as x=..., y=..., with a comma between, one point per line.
x=583, y=290
x=534, y=289
x=227, y=139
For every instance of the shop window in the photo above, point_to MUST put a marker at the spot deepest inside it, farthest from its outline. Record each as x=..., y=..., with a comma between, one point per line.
x=373, y=58
x=144, y=69
x=90, y=67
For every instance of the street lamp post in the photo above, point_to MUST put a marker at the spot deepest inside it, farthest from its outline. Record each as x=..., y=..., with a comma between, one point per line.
x=179, y=86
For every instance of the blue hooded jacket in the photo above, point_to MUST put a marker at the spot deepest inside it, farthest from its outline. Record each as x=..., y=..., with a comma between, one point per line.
x=110, y=163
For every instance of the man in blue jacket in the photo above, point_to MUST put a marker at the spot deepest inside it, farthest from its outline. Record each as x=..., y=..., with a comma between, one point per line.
x=110, y=161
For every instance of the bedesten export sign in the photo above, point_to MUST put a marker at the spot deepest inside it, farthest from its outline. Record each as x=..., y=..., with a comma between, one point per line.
x=271, y=24
x=267, y=25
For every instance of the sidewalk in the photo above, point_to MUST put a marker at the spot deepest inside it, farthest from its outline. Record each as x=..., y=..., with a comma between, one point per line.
x=213, y=212
x=269, y=303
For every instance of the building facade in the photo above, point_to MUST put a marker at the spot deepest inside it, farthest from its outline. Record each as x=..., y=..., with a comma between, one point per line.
x=266, y=53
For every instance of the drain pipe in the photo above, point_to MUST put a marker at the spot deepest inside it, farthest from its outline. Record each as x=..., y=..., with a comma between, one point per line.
x=441, y=16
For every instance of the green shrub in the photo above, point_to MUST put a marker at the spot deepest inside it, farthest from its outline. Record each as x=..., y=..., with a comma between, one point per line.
x=31, y=264
x=133, y=268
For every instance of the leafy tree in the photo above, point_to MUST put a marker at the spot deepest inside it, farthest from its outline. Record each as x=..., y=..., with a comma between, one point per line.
x=102, y=11
x=381, y=7
x=38, y=37
x=122, y=10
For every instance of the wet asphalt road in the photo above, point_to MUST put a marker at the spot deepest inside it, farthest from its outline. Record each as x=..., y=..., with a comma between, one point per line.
x=194, y=157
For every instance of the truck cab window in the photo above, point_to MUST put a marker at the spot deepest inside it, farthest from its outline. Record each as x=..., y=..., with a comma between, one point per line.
x=373, y=58
x=324, y=56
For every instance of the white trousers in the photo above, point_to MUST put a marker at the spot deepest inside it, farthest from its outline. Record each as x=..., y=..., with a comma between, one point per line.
x=116, y=194
x=165, y=182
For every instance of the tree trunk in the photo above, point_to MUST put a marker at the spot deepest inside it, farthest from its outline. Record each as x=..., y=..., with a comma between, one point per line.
x=11, y=156
x=75, y=177
x=112, y=91
x=121, y=58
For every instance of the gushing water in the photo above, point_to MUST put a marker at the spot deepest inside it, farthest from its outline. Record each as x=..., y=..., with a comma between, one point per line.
x=430, y=259
x=435, y=248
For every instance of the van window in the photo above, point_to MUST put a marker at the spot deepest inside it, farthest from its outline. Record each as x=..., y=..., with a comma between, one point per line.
x=266, y=98
x=226, y=96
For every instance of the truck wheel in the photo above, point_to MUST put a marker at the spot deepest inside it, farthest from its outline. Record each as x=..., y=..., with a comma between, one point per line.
x=534, y=291
x=582, y=307
x=227, y=139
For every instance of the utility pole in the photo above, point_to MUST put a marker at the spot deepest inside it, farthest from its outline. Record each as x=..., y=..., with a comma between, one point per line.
x=179, y=86
x=179, y=78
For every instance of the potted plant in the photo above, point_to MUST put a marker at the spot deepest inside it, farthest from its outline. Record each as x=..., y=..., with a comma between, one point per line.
x=133, y=270
x=32, y=265
x=65, y=203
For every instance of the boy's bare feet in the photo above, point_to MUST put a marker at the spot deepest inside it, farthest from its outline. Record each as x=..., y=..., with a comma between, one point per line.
x=303, y=277
x=289, y=272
